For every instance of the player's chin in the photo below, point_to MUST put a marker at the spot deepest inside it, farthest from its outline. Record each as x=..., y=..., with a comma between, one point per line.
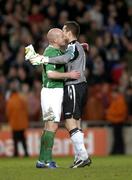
x=66, y=40
x=63, y=45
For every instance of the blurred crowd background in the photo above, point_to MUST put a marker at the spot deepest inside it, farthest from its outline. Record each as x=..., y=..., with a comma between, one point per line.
x=105, y=25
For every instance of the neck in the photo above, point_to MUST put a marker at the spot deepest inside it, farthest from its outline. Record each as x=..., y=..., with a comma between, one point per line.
x=72, y=39
x=55, y=46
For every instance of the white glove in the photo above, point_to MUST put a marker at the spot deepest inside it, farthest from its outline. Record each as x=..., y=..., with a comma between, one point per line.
x=29, y=52
x=33, y=57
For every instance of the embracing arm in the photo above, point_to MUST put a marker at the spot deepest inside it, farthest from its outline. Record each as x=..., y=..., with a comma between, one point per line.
x=37, y=59
x=65, y=75
x=70, y=54
x=63, y=59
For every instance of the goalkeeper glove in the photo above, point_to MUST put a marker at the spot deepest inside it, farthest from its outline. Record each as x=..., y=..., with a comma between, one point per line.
x=33, y=57
x=29, y=52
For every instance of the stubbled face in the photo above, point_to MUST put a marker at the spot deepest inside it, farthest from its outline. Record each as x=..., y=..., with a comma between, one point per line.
x=66, y=33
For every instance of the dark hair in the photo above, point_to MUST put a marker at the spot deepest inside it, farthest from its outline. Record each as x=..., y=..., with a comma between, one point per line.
x=73, y=27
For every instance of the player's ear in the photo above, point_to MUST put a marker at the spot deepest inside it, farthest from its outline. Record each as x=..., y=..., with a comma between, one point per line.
x=55, y=41
x=69, y=33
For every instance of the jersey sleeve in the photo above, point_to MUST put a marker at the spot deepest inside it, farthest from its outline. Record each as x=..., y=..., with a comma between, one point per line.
x=50, y=67
x=70, y=54
x=50, y=53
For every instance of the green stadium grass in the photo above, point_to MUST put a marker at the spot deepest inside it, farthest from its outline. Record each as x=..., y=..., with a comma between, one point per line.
x=102, y=168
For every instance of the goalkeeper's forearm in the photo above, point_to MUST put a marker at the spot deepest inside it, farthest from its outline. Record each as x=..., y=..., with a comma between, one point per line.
x=61, y=59
x=37, y=59
x=69, y=55
x=40, y=59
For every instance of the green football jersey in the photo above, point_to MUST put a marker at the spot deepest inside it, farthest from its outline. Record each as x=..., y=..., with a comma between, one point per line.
x=47, y=82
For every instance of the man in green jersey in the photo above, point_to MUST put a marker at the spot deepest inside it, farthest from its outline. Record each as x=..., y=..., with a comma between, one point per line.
x=52, y=96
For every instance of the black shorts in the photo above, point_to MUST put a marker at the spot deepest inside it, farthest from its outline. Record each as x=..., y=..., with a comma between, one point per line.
x=74, y=100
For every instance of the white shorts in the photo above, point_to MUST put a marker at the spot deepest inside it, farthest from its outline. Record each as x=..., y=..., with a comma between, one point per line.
x=51, y=103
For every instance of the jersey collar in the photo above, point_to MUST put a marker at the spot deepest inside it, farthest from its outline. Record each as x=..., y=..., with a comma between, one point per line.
x=73, y=42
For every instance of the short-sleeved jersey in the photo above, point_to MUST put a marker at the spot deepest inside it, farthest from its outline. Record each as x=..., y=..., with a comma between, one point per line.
x=48, y=82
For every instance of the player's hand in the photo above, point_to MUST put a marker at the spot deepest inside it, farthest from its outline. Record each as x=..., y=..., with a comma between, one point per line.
x=74, y=74
x=38, y=60
x=29, y=52
x=85, y=46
